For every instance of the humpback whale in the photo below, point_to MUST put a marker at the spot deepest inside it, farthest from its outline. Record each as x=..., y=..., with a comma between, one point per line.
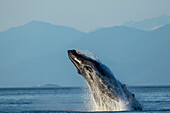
x=108, y=93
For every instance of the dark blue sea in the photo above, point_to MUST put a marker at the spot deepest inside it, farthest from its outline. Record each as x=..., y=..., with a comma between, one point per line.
x=54, y=100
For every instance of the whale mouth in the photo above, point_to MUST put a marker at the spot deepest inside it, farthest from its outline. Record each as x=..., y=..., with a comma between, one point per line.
x=74, y=54
x=75, y=57
x=80, y=60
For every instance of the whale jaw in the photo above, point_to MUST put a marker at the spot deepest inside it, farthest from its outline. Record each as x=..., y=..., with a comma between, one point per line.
x=72, y=57
x=80, y=60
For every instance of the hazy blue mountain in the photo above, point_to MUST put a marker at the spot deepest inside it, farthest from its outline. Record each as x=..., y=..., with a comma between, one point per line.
x=149, y=24
x=36, y=53
x=136, y=57
x=33, y=40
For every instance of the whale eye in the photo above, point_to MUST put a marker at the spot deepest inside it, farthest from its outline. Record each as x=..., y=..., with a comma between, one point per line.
x=88, y=68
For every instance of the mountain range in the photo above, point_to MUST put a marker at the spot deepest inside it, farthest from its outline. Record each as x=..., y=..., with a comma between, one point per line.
x=149, y=24
x=36, y=53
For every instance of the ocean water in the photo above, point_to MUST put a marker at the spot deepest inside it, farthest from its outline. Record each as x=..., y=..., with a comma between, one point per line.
x=54, y=100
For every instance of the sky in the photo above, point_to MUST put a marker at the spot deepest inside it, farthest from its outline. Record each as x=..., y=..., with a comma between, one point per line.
x=84, y=15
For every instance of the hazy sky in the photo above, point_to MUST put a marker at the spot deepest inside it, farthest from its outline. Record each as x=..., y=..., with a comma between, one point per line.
x=85, y=15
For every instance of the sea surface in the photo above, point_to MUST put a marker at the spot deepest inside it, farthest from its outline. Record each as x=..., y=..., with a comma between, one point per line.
x=75, y=99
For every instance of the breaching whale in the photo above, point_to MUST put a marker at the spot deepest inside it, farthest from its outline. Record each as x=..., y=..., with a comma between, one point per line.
x=109, y=94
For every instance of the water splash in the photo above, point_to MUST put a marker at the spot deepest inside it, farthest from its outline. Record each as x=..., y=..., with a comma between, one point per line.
x=89, y=54
x=88, y=100
x=105, y=103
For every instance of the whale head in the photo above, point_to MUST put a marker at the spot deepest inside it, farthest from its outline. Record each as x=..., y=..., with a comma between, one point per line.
x=82, y=62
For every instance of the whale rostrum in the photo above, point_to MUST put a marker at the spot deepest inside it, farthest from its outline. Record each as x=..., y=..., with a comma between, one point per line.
x=108, y=93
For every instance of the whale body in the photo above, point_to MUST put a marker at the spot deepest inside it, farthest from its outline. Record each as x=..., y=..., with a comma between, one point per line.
x=108, y=93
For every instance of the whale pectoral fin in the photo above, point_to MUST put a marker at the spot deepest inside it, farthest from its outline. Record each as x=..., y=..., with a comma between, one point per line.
x=107, y=92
